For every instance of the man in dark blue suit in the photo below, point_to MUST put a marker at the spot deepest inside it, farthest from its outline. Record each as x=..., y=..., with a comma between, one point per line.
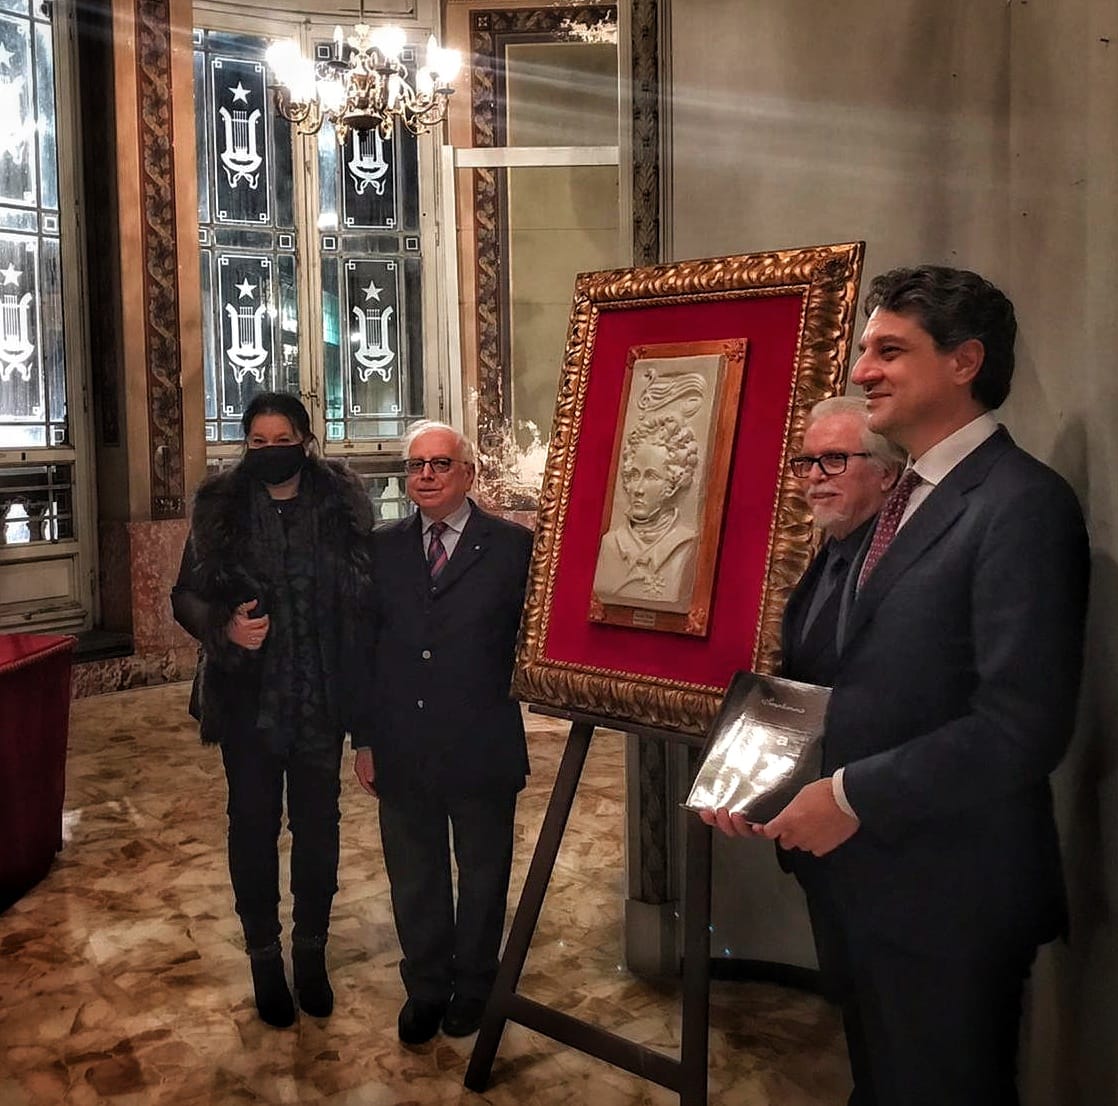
x=445, y=747
x=954, y=698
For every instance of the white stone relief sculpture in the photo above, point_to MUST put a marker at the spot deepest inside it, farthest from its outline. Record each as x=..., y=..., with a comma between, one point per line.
x=647, y=556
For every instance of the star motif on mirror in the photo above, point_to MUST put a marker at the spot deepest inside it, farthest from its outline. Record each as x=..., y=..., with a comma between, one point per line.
x=372, y=292
x=245, y=288
x=11, y=274
x=240, y=94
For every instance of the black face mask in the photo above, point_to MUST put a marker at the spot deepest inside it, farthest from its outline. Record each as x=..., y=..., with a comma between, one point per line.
x=273, y=464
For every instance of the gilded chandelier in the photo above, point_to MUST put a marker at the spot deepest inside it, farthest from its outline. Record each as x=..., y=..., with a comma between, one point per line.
x=363, y=85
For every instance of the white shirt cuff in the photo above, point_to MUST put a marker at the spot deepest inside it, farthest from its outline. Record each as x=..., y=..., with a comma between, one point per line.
x=839, y=793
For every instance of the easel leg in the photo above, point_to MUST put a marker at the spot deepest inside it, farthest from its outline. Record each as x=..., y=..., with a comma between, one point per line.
x=695, y=1028
x=531, y=901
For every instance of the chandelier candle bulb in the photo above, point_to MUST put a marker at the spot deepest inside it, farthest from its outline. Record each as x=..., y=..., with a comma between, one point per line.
x=389, y=40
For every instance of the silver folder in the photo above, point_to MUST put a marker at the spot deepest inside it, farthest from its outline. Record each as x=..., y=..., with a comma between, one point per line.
x=763, y=746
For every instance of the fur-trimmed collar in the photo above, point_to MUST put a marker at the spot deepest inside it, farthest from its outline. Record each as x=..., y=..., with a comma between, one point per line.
x=220, y=519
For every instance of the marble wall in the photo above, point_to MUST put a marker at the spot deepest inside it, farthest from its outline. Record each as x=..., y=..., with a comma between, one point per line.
x=139, y=565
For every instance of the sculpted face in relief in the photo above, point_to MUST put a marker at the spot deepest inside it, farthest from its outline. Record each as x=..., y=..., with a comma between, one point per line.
x=647, y=557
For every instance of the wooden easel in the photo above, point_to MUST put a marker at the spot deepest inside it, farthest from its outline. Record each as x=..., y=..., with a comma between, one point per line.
x=687, y=1076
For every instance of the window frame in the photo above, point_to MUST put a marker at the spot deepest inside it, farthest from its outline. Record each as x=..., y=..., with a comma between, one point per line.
x=83, y=610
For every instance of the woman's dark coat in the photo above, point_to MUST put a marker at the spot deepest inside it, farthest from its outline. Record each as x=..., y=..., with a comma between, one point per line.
x=223, y=565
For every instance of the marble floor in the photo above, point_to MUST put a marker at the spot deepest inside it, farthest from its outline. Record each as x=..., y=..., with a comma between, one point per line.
x=122, y=978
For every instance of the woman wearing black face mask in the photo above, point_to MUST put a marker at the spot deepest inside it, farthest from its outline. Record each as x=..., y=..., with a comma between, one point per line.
x=273, y=585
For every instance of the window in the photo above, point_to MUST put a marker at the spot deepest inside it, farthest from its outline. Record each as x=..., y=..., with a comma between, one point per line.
x=313, y=264
x=45, y=572
x=246, y=232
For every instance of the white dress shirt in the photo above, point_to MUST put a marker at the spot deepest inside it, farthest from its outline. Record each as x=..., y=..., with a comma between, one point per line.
x=938, y=461
x=933, y=466
x=455, y=524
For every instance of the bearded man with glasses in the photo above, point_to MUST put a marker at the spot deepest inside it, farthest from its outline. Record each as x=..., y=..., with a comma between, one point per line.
x=846, y=472
x=444, y=748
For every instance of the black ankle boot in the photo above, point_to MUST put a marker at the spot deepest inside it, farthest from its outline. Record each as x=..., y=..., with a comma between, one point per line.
x=273, y=999
x=312, y=986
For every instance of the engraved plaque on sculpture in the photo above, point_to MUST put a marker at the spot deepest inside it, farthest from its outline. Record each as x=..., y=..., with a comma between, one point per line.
x=763, y=746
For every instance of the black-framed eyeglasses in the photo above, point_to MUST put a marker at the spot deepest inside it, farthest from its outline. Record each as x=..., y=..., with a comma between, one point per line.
x=413, y=466
x=831, y=464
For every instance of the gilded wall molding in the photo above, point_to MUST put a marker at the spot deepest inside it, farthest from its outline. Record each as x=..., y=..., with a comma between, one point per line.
x=647, y=245
x=159, y=258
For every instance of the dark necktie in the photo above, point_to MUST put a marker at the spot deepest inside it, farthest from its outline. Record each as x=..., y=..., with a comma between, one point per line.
x=436, y=551
x=834, y=571
x=888, y=521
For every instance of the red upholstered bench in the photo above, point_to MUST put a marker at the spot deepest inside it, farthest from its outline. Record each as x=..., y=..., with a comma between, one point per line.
x=34, y=721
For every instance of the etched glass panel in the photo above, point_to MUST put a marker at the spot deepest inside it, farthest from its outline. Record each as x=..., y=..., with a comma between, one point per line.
x=246, y=230
x=371, y=284
x=239, y=132
x=209, y=357
x=44, y=122
x=245, y=306
x=33, y=405
x=17, y=117
x=201, y=145
x=371, y=389
x=22, y=377
x=373, y=368
x=50, y=330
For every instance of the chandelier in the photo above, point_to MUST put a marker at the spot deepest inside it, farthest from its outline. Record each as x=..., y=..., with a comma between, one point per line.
x=363, y=85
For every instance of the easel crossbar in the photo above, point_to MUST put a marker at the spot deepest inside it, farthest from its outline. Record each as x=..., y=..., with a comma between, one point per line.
x=647, y=1063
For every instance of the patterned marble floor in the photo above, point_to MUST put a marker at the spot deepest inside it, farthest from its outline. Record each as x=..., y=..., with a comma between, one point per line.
x=122, y=979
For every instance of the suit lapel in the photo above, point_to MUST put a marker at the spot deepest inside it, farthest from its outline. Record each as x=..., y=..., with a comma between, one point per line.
x=796, y=608
x=470, y=549
x=936, y=515
x=412, y=558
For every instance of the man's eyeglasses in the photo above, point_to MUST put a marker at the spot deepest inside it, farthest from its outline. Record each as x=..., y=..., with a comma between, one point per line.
x=413, y=466
x=831, y=464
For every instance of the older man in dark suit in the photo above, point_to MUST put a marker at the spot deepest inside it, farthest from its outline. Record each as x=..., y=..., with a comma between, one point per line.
x=846, y=472
x=954, y=698
x=445, y=748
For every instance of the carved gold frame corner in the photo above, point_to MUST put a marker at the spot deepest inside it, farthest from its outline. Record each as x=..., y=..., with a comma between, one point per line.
x=827, y=278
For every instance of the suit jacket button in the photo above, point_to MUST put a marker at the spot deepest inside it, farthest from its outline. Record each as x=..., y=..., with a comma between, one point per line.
x=419, y=703
x=426, y=654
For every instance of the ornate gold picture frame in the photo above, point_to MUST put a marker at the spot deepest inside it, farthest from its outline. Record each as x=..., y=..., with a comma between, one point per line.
x=792, y=311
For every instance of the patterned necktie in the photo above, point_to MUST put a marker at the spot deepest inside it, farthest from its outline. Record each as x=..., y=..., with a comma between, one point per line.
x=436, y=551
x=888, y=521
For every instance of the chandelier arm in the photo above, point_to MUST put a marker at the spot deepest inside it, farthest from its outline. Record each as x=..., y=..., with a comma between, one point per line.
x=367, y=89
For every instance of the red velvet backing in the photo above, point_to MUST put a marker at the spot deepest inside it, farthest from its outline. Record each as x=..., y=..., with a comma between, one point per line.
x=771, y=325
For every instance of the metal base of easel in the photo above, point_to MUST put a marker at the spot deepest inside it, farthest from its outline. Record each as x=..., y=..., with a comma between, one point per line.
x=687, y=1076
